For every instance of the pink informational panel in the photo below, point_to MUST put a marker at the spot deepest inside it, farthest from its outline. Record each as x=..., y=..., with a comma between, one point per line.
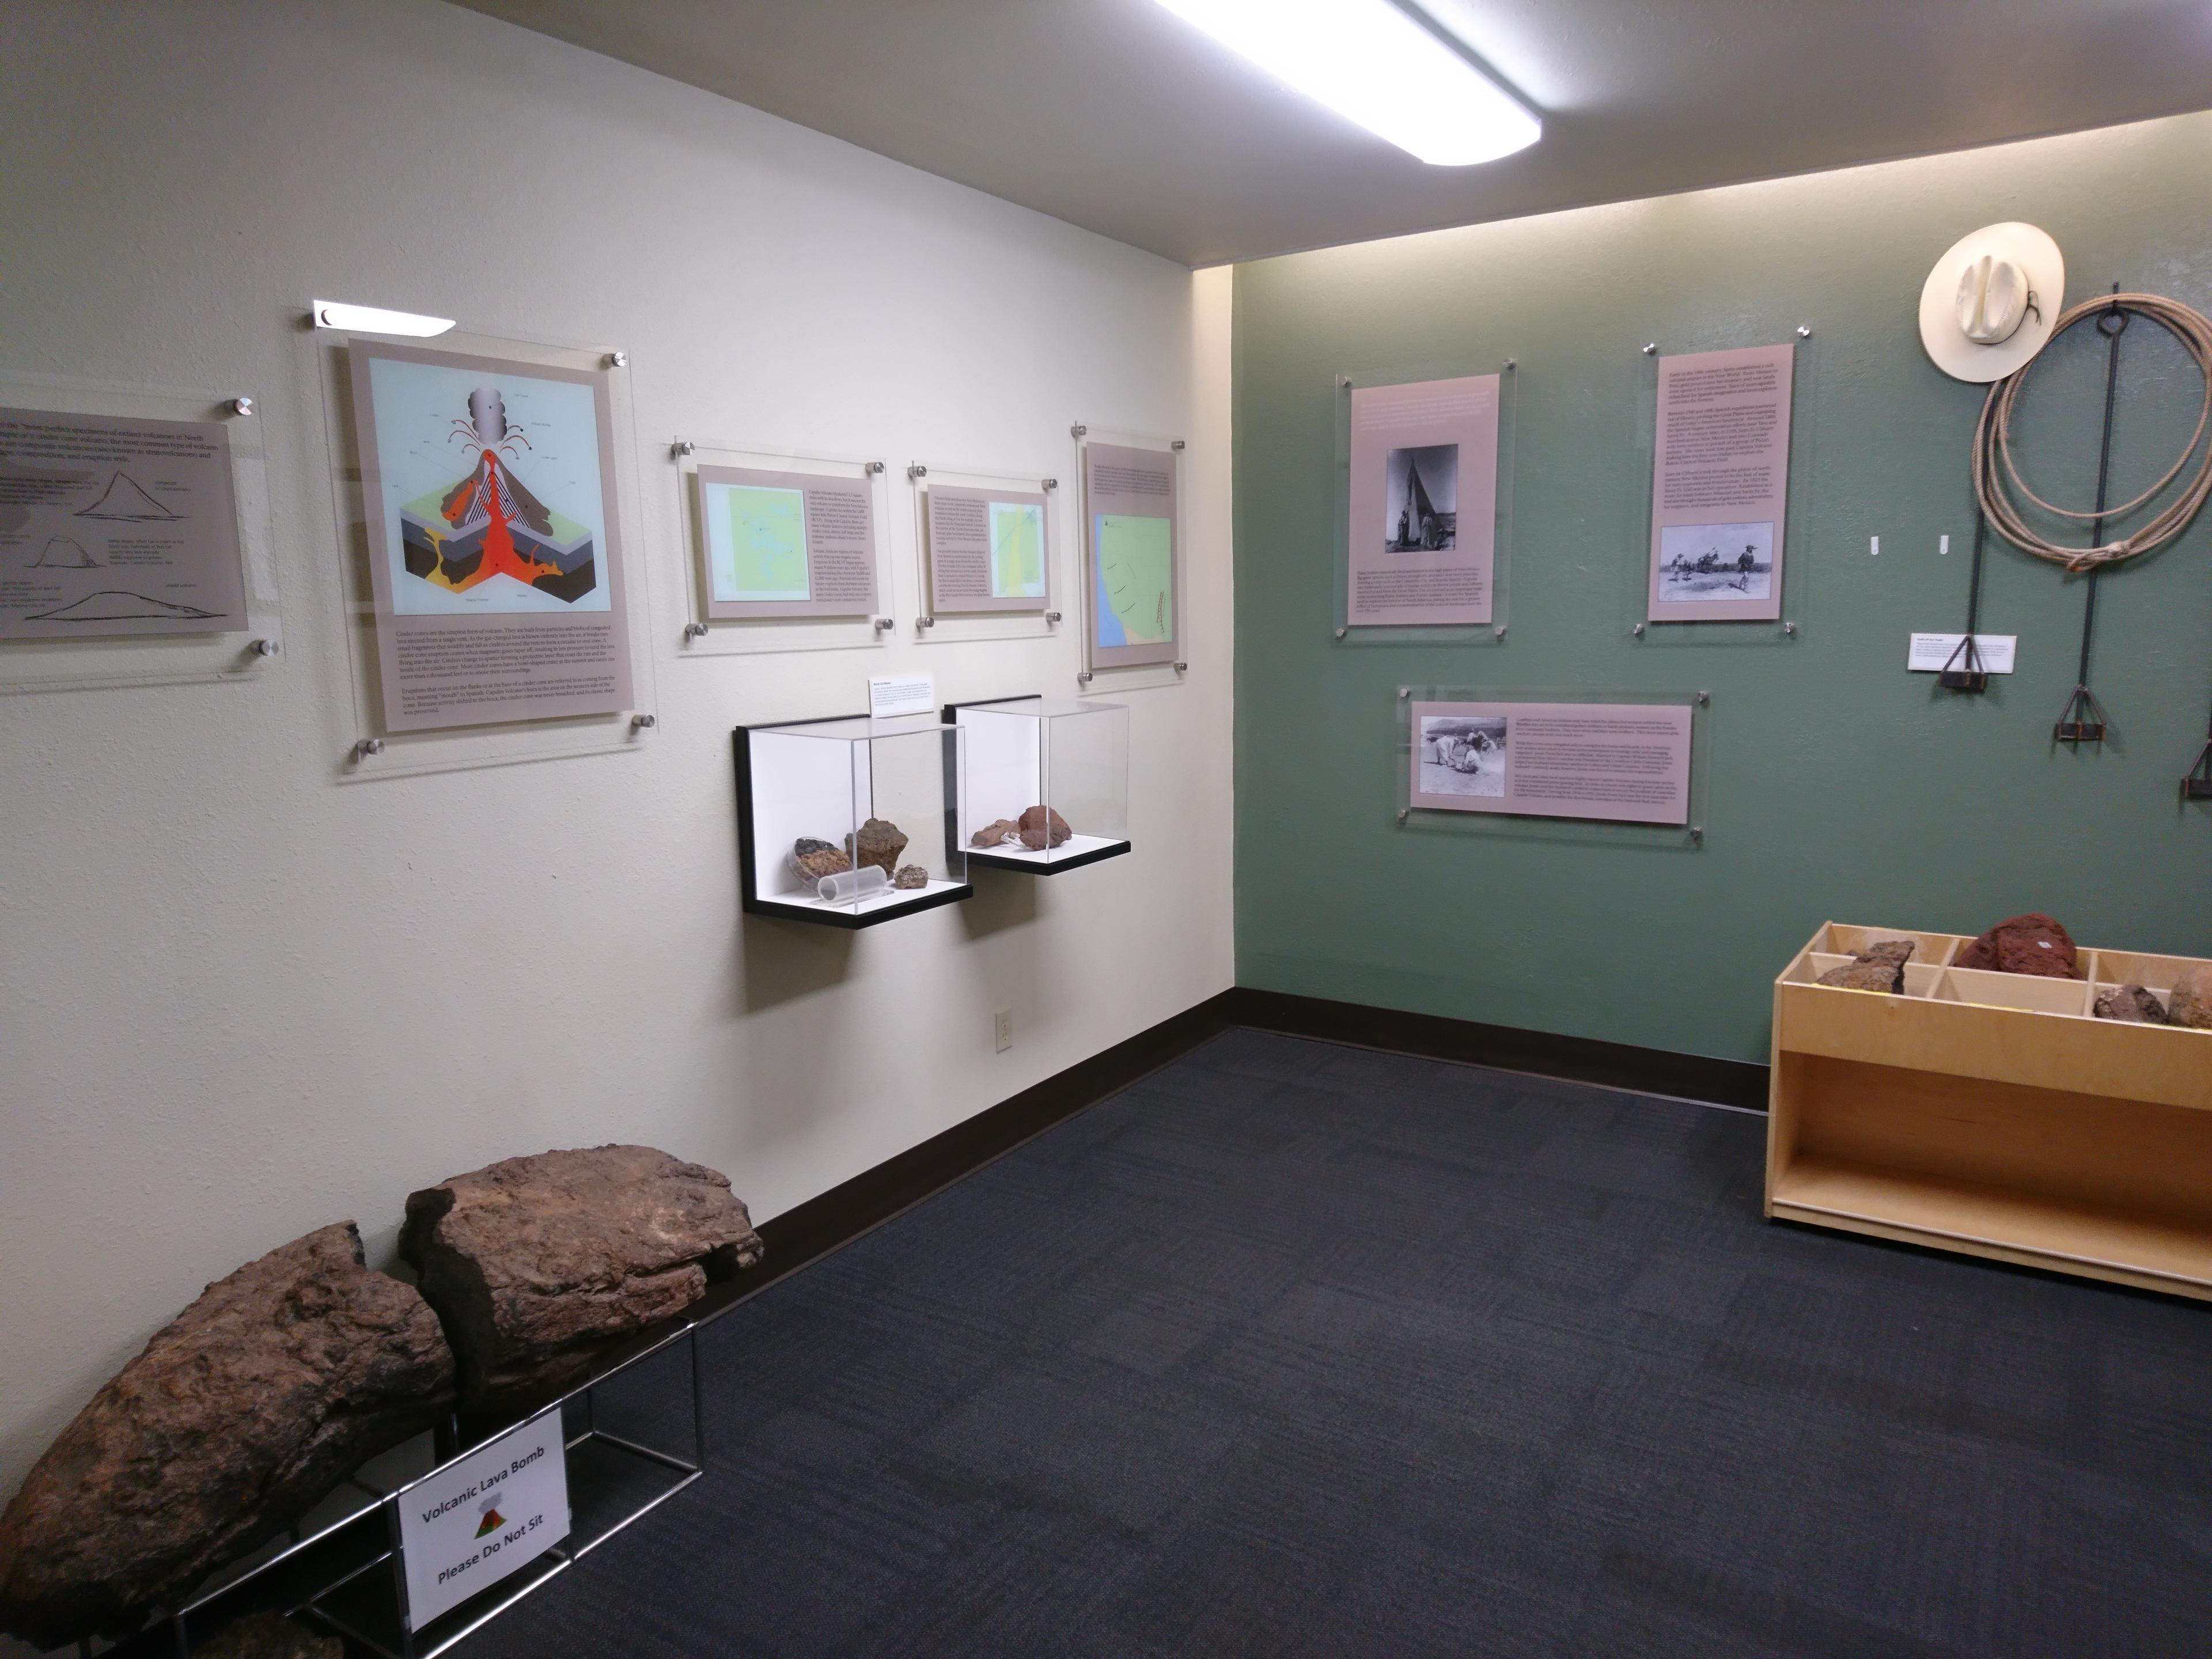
x=1626, y=762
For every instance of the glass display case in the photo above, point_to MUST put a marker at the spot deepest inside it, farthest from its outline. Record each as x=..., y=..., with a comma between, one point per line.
x=1046, y=787
x=849, y=821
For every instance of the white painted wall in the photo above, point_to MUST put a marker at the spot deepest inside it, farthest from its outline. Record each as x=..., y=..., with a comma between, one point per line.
x=238, y=999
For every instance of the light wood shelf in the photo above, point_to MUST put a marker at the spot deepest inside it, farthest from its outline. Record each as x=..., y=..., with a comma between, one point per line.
x=1992, y=1114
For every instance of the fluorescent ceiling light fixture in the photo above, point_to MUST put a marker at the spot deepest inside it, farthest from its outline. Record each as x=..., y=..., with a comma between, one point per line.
x=1371, y=63
x=373, y=319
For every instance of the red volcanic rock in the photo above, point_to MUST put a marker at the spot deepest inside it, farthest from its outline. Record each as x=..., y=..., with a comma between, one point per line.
x=1042, y=827
x=241, y=1414
x=537, y=1264
x=2033, y=943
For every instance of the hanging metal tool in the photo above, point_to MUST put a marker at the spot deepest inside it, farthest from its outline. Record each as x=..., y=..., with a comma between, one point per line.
x=1962, y=669
x=2082, y=720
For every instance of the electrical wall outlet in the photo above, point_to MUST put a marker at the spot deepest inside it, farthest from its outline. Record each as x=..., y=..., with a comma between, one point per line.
x=1002, y=1029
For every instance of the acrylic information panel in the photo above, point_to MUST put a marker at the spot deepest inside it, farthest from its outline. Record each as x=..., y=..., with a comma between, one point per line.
x=1047, y=782
x=989, y=552
x=1131, y=552
x=135, y=545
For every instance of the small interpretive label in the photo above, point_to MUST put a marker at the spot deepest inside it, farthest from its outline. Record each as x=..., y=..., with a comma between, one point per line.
x=484, y=1516
x=901, y=694
x=1931, y=652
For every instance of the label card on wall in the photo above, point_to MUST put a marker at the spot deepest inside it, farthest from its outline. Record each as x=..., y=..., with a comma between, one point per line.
x=1720, y=485
x=989, y=549
x=1931, y=654
x=483, y=1517
x=891, y=694
x=1424, y=502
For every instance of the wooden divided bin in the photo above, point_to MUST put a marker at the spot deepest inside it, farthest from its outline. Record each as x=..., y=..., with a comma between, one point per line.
x=1993, y=1113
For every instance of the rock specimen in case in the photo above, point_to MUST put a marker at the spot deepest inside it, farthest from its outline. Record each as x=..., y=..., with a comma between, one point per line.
x=879, y=842
x=2033, y=943
x=270, y=1635
x=1042, y=827
x=2132, y=1002
x=910, y=875
x=1880, y=968
x=537, y=1264
x=812, y=859
x=1000, y=832
x=241, y=1415
x=2191, y=1002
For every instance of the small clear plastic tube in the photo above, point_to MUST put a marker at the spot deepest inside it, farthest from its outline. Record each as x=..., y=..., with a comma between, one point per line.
x=850, y=886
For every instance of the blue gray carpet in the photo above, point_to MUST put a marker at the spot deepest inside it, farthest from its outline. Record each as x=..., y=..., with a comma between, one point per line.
x=1297, y=1349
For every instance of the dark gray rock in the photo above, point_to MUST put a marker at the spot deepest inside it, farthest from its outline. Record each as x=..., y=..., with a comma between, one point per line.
x=1881, y=967
x=536, y=1265
x=270, y=1635
x=2132, y=1003
x=879, y=842
x=241, y=1415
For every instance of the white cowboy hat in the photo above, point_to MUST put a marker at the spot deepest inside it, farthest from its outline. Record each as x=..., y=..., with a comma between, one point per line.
x=1987, y=306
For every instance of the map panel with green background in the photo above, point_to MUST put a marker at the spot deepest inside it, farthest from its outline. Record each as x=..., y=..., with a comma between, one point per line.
x=1016, y=551
x=757, y=536
x=1136, y=580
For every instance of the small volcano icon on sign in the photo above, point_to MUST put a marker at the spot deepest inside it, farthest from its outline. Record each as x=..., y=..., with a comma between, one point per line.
x=493, y=1520
x=125, y=498
x=63, y=554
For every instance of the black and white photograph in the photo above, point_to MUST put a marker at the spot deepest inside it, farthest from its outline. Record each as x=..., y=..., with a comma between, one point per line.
x=1420, y=497
x=1706, y=563
x=1463, y=755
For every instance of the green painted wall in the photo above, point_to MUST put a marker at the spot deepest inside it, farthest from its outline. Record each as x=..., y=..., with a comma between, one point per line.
x=1839, y=786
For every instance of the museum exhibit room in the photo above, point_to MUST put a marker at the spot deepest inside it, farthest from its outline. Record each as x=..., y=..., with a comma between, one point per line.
x=1105, y=828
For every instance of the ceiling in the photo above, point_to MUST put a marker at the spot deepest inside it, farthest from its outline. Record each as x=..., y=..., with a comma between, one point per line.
x=1117, y=116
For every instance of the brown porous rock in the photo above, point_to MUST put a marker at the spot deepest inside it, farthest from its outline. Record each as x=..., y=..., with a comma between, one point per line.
x=1042, y=827
x=2189, y=1003
x=270, y=1635
x=879, y=842
x=1881, y=967
x=2033, y=943
x=910, y=875
x=241, y=1414
x=1000, y=832
x=537, y=1264
x=812, y=859
x=2133, y=1003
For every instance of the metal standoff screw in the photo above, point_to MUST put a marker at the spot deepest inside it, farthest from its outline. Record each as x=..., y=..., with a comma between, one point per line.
x=266, y=648
x=642, y=722
x=1501, y=631
x=925, y=622
x=366, y=747
x=1512, y=363
x=1182, y=668
x=683, y=447
x=1077, y=430
x=1402, y=814
x=1804, y=331
x=617, y=360
x=1052, y=483
x=882, y=623
x=1703, y=697
x=1083, y=675
x=1652, y=349
x=917, y=471
x=1638, y=630
x=1177, y=446
x=695, y=630
x=1789, y=628
x=1343, y=380
x=241, y=405
x=1341, y=632
x=870, y=468
x=1404, y=692
x=1052, y=615
x=1697, y=833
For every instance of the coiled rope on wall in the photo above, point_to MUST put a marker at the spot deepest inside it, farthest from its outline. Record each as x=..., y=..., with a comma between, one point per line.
x=1993, y=455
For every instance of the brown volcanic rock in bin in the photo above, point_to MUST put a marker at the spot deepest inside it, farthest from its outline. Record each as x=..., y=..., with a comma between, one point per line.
x=1880, y=968
x=2133, y=1003
x=879, y=842
x=1042, y=827
x=2033, y=943
x=2189, y=1003
x=537, y=1264
x=239, y=1416
x=270, y=1635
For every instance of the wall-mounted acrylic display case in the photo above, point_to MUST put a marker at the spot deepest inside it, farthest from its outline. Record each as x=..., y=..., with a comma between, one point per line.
x=849, y=821
x=1046, y=783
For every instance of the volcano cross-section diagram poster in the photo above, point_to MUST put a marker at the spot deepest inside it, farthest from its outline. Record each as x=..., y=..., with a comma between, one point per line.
x=494, y=549
x=1424, y=502
x=112, y=524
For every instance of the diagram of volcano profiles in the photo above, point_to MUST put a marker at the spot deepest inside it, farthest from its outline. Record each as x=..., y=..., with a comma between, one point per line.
x=125, y=500
x=63, y=554
x=114, y=605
